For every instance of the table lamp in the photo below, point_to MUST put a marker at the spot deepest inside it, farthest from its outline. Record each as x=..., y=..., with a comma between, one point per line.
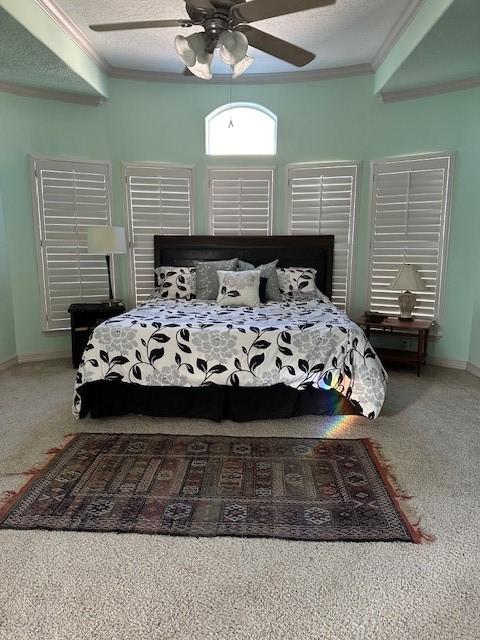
x=406, y=280
x=107, y=240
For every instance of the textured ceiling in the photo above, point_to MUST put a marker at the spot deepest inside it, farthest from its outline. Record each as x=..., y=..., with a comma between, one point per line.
x=449, y=52
x=347, y=33
x=26, y=61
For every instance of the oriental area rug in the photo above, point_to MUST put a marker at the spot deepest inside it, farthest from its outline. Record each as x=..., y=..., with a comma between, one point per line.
x=294, y=488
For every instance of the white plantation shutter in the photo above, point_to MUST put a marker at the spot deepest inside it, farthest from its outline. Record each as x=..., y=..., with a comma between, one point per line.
x=159, y=203
x=322, y=201
x=410, y=218
x=240, y=201
x=69, y=197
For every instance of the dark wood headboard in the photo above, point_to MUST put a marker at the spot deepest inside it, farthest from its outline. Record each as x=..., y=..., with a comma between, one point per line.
x=291, y=251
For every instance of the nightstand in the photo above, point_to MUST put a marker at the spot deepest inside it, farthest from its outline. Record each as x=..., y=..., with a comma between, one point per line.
x=84, y=318
x=396, y=327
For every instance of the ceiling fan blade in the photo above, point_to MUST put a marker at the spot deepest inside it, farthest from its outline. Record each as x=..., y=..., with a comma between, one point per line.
x=206, y=5
x=263, y=9
x=275, y=46
x=146, y=24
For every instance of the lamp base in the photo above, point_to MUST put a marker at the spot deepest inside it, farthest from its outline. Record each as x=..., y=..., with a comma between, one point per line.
x=112, y=302
x=406, y=302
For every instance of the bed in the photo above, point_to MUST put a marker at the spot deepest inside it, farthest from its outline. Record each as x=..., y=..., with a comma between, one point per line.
x=196, y=359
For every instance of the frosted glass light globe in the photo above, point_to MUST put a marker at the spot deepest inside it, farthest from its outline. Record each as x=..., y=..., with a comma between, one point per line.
x=233, y=46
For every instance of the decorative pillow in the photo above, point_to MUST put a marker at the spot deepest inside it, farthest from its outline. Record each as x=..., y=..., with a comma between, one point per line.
x=299, y=296
x=239, y=288
x=268, y=271
x=262, y=291
x=207, y=278
x=245, y=266
x=296, y=279
x=176, y=282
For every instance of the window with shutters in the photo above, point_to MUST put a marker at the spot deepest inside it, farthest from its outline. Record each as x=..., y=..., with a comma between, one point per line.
x=69, y=197
x=410, y=213
x=159, y=202
x=240, y=201
x=239, y=129
x=321, y=200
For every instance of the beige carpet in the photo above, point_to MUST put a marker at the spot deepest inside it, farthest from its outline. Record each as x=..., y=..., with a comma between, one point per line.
x=101, y=586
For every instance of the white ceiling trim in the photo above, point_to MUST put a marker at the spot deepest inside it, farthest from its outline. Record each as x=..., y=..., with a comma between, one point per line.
x=431, y=90
x=70, y=28
x=396, y=32
x=50, y=94
x=258, y=78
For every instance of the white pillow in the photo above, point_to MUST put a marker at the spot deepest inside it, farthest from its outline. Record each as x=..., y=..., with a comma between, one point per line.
x=238, y=288
x=296, y=279
x=175, y=283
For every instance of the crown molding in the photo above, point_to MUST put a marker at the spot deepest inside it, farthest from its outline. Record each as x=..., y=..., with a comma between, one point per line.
x=430, y=90
x=254, y=78
x=71, y=29
x=396, y=32
x=50, y=94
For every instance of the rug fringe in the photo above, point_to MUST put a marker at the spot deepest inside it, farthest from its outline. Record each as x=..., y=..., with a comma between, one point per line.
x=401, y=498
x=8, y=498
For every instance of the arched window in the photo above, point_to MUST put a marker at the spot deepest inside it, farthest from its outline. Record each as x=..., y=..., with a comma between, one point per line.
x=241, y=129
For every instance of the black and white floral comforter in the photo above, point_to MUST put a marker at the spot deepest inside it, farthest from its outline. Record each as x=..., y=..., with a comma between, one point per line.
x=196, y=343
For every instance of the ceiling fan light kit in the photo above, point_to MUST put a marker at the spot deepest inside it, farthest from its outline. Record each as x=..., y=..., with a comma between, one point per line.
x=232, y=46
x=241, y=66
x=226, y=28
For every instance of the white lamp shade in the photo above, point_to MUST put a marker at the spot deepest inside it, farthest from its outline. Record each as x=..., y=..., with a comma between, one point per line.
x=233, y=46
x=185, y=51
x=241, y=66
x=192, y=52
x=202, y=71
x=408, y=279
x=106, y=240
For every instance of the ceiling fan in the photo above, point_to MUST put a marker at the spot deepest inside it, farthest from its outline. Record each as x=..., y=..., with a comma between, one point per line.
x=226, y=25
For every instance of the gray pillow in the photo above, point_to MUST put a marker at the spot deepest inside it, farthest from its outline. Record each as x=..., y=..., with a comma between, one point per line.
x=245, y=266
x=207, y=278
x=268, y=271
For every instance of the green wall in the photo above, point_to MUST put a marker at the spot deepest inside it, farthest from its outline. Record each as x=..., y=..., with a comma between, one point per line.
x=7, y=327
x=474, y=356
x=328, y=120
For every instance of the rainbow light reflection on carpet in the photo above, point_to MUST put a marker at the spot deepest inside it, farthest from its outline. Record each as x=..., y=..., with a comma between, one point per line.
x=338, y=426
x=335, y=425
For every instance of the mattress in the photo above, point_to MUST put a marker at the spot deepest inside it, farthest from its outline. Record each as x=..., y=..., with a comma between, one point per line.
x=299, y=343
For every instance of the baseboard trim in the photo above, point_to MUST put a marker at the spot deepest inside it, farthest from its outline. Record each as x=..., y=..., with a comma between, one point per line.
x=473, y=369
x=7, y=364
x=449, y=363
x=46, y=355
